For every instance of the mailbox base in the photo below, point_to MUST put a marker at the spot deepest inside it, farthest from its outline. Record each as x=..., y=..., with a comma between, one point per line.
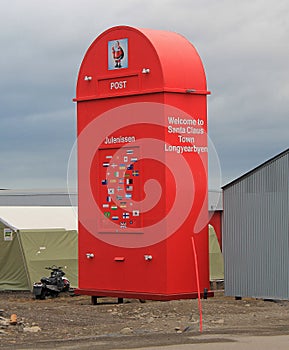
x=139, y=295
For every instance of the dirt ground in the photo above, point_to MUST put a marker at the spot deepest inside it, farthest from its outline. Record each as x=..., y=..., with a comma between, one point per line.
x=70, y=322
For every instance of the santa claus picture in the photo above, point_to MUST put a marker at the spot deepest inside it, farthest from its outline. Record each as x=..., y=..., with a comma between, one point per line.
x=117, y=55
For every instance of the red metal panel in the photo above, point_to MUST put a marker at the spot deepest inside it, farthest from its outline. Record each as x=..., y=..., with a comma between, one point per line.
x=216, y=222
x=142, y=165
x=173, y=63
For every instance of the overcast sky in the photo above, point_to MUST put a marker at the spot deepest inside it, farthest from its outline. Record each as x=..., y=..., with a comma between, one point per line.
x=243, y=44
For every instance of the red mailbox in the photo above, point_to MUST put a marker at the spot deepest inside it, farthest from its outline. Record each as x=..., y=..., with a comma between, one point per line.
x=142, y=166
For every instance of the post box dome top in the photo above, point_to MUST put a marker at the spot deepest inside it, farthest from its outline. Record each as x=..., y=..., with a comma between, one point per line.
x=139, y=61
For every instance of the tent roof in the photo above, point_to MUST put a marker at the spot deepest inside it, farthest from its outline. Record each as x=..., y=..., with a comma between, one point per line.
x=21, y=218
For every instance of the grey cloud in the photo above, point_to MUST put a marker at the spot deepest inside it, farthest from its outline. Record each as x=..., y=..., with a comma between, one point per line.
x=243, y=46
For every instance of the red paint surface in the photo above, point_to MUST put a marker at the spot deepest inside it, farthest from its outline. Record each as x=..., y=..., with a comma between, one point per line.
x=216, y=222
x=175, y=67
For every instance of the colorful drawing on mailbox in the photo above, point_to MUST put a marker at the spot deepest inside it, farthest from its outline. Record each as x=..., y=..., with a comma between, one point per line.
x=117, y=54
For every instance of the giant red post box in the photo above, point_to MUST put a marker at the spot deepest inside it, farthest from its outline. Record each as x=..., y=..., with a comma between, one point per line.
x=142, y=166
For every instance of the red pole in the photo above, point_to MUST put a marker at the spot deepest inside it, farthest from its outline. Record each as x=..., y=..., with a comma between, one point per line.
x=198, y=284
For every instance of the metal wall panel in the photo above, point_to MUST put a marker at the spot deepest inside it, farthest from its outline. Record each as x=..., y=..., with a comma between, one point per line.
x=37, y=198
x=255, y=232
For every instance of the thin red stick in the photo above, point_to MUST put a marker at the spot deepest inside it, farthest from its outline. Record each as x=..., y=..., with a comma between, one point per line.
x=198, y=285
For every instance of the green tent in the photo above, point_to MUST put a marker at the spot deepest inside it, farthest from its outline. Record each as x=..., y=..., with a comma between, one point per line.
x=24, y=254
x=216, y=257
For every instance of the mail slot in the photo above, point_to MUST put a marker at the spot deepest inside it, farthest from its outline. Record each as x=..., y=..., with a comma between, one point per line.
x=142, y=166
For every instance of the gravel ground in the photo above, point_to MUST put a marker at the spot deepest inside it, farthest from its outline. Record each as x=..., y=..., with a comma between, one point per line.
x=70, y=322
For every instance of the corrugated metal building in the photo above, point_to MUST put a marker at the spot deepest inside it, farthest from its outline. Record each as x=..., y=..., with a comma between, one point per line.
x=255, y=231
